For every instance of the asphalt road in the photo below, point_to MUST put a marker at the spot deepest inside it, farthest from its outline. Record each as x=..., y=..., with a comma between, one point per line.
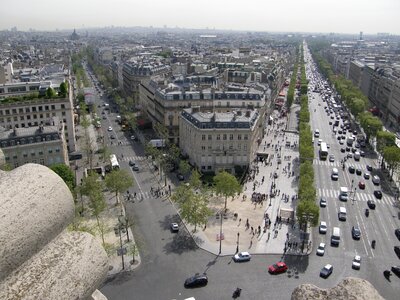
x=168, y=258
x=380, y=224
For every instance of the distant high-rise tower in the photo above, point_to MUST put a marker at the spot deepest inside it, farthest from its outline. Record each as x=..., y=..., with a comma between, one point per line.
x=361, y=35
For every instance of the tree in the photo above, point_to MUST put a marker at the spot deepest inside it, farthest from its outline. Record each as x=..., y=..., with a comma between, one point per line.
x=184, y=167
x=118, y=181
x=392, y=156
x=385, y=139
x=226, y=185
x=97, y=204
x=195, y=180
x=357, y=106
x=66, y=174
x=63, y=89
x=50, y=93
x=308, y=212
x=92, y=188
x=370, y=124
x=193, y=206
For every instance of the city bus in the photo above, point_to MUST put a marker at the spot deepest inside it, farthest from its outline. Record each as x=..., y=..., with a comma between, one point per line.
x=323, y=151
x=114, y=162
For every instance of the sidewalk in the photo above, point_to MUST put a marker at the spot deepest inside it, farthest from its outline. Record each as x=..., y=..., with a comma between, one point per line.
x=271, y=228
x=111, y=217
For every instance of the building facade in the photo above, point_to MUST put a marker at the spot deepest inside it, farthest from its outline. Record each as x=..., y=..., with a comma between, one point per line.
x=20, y=113
x=220, y=141
x=43, y=145
x=164, y=105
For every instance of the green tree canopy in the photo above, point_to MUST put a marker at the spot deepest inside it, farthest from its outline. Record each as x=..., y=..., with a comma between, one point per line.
x=308, y=212
x=385, y=139
x=226, y=185
x=66, y=174
x=118, y=181
x=50, y=93
x=392, y=156
x=63, y=89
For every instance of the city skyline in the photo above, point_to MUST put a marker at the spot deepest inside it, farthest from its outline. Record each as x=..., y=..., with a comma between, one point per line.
x=338, y=16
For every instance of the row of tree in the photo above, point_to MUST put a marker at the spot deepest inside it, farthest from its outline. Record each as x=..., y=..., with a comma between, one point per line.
x=357, y=102
x=307, y=211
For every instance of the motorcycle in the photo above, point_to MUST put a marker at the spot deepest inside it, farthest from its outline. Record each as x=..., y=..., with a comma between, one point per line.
x=237, y=293
x=366, y=212
x=373, y=244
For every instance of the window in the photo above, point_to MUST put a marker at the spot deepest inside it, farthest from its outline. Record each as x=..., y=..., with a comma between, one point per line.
x=209, y=137
x=34, y=108
x=35, y=116
x=33, y=153
x=7, y=111
x=46, y=107
x=63, y=113
x=224, y=137
x=28, y=117
x=25, y=155
x=244, y=147
x=50, y=150
x=239, y=137
x=15, y=156
x=53, y=106
x=62, y=106
x=41, y=116
x=40, y=108
x=203, y=137
x=218, y=137
x=14, y=110
x=57, y=150
x=209, y=147
x=231, y=136
x=47, y=115
x=15, y=119
x=41, y=161
x=27, y=110
x=21, y=110
x=246, y=137
x=227, y=104
x=21, y=118
x=203, y=147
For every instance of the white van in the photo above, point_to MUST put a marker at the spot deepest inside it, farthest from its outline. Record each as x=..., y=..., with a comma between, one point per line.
x=335, y=174
x=316, y=133
x=376, y=180
x=344, y=193
x=357, y=156
x=335, y=237
x=342, y=213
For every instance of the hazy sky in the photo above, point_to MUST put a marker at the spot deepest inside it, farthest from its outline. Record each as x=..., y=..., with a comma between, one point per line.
x=340, y=16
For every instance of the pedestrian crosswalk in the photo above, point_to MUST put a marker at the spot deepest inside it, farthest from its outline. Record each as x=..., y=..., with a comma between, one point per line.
x=139, y=196
x=337, y=164
x=134, y=158
x=359, y=196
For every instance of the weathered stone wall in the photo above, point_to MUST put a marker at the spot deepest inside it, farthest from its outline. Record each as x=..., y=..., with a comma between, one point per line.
x=39, y=259
x=348, y=289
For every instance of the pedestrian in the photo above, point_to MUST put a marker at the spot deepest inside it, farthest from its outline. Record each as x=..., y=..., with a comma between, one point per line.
x=287, y=235
x=252, y=229
x=247, y=223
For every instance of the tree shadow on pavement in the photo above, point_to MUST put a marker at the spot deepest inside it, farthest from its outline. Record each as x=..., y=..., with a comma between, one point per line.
x=168, y=219
x=296, y=263
x=182, y=242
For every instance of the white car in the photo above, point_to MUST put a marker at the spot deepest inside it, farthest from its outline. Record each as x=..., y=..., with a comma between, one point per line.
x=322, y=227
x=174, y=227
x=332, y=158
x=242, y=256
x=356, y=262
x=321, y=249
x=109, y=128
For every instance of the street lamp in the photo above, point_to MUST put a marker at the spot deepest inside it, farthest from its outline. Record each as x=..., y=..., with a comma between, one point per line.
x=237, y=243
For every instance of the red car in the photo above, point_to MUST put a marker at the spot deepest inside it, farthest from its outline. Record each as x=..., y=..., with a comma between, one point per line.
x=277, y=268
x=361, y=185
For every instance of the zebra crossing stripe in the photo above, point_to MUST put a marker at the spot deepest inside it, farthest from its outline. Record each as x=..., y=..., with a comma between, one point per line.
x=329, y=193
